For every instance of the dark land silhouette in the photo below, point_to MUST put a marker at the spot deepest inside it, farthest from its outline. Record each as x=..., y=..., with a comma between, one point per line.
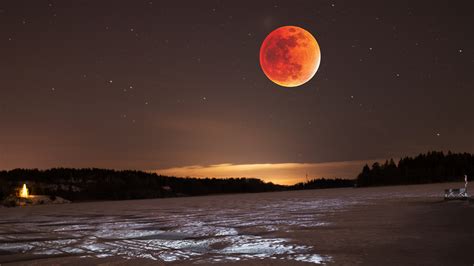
x=432, y=167
x=103, y=184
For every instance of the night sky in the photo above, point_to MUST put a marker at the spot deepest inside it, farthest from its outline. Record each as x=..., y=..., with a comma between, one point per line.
x=165, y=84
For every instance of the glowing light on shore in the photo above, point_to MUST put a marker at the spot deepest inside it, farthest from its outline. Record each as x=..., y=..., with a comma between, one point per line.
x=24, y=192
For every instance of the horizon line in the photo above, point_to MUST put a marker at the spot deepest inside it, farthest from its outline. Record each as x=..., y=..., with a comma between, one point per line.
x=288, y=173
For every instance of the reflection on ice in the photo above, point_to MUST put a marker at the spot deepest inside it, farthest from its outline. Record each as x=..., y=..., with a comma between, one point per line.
x=236, y=232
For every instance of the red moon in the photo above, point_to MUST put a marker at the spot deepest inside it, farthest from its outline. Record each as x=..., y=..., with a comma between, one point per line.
x=290, y=56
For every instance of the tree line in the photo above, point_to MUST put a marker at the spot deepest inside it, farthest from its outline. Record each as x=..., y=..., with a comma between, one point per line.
x=324, y=183
x=432, y=167
x=104, y=184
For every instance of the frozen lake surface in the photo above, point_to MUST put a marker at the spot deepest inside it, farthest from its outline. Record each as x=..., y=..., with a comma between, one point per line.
x=196, y=230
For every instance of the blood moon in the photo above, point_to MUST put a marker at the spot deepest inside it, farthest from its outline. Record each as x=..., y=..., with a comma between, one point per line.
x=290, y=56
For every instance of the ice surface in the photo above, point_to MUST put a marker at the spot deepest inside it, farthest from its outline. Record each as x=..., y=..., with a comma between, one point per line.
x=197, y=230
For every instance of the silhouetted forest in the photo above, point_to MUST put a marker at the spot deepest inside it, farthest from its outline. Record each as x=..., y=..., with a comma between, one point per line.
x=324, y=183
x=432, y=167
x=103, y=184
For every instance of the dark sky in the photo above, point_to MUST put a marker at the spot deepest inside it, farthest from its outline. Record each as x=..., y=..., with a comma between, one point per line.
x=159, y=84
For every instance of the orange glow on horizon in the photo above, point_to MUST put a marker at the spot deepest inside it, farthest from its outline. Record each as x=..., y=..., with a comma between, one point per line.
x=278, y=173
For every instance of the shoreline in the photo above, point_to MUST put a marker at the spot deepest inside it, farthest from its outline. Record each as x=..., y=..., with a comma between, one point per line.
x=456, y=185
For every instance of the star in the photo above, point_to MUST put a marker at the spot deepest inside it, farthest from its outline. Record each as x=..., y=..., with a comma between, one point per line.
x=110, y=81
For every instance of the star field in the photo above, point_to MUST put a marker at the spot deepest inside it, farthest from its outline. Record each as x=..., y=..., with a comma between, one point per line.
x=154, y=84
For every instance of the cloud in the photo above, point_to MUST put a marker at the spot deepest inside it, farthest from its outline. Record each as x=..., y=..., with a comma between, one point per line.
x=279, y=173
